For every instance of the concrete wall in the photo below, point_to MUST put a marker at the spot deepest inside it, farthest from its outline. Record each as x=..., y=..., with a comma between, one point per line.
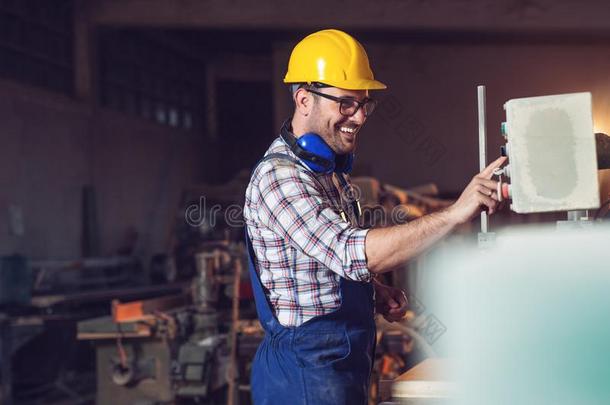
x=431, y=53
x=425, y=130
x=52, y=146
x=426, y=127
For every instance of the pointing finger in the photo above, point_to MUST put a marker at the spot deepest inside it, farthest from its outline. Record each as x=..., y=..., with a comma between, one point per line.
x=489, y=170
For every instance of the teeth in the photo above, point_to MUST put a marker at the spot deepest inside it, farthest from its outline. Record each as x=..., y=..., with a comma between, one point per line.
x=348, y=130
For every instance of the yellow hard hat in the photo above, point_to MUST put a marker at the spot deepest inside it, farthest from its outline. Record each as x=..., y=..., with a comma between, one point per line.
x=334, y=58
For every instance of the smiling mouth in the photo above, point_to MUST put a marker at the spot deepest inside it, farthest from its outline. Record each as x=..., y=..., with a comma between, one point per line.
x=348, y=131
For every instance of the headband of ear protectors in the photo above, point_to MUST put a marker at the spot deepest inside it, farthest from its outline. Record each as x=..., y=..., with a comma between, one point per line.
x=315, y=153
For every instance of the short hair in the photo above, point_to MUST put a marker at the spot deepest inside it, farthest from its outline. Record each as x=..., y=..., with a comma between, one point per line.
x=293, y=87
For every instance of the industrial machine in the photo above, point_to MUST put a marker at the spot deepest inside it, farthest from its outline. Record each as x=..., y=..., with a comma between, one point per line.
x=556, y=163
x=178, y=348
x=551, y=149
x=553, y=158
x=193, y=346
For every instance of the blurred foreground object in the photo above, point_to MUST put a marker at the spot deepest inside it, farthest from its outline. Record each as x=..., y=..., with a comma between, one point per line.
x=526, y=319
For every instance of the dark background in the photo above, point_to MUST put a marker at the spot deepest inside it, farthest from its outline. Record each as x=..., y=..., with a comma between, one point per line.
x=138, y=99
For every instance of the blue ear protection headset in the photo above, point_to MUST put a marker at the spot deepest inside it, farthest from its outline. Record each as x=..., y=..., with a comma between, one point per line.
x=320, y=158
x=315, y=153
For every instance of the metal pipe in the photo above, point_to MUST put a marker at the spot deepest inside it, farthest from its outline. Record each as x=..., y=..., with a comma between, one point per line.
x=482, y=144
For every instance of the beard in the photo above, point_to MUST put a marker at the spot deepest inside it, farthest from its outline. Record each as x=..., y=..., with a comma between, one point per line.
x=340, y=142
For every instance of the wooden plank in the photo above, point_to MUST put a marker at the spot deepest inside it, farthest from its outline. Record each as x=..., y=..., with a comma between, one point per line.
x=427, y=380
x=113, y=335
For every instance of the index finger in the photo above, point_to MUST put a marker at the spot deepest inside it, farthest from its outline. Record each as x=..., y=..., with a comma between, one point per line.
x=489, y=170
x=402, y=299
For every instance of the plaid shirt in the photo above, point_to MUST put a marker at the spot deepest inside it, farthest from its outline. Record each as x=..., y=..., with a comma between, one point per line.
x=302, y=245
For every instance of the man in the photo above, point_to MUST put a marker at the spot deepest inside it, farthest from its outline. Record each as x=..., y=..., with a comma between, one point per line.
x=312, y=268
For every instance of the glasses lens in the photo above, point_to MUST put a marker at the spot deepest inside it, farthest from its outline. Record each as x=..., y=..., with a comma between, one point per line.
x=369, y=107
x=348, y=107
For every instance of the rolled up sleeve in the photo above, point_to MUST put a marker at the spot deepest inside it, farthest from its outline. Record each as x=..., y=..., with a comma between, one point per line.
x=294, y=205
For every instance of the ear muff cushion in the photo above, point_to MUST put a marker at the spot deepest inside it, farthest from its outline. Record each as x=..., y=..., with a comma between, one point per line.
x=322, y=159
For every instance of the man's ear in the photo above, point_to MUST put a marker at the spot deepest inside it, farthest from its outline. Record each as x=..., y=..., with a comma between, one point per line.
x=303, y=101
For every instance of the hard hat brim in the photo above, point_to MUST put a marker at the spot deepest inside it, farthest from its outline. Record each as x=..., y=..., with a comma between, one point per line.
x=358, y=84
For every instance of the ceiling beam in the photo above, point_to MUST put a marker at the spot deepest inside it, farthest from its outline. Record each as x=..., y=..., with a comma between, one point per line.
x=484, y=15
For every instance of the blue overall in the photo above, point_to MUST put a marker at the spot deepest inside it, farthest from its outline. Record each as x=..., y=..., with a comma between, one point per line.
x=326, y=360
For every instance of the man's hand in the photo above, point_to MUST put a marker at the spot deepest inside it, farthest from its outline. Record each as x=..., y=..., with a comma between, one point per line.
x=480, y=192
x=390, y=302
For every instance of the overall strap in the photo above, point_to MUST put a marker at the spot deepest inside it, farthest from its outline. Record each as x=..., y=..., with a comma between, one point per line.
x=263, y=306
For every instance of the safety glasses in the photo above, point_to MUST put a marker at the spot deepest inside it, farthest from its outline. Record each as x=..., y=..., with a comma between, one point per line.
x=349, y=106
